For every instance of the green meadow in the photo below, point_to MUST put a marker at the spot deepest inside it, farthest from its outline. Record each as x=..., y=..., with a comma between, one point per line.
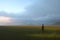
x=29, y=33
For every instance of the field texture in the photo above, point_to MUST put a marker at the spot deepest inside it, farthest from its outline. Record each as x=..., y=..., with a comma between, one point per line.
x=29, y=33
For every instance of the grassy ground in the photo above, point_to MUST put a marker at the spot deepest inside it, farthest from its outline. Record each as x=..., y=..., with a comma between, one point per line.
x=29, y=33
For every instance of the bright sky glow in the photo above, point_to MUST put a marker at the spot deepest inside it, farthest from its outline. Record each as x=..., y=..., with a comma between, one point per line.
x=4, y=19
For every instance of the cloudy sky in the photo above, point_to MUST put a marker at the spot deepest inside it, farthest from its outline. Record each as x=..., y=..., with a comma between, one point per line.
x=29, y=12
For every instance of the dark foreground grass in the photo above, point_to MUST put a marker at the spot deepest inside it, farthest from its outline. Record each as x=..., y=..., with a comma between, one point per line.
x=9, y=33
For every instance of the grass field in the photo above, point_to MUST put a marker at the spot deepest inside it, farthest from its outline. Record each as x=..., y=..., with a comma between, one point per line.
x=29, y=33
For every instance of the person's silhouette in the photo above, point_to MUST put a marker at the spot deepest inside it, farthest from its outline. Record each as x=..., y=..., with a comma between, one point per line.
x=42, y=27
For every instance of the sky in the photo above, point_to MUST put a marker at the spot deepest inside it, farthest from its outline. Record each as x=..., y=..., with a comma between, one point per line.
x=29, y=12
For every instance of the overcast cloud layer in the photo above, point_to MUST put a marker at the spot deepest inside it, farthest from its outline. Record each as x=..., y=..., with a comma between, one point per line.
x=36, y=12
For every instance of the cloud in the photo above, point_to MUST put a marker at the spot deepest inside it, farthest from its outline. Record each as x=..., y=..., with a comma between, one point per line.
x=45, y=11
x=42, y=11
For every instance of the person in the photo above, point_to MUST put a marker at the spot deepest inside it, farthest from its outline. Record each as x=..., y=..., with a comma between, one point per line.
x=42, y=27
